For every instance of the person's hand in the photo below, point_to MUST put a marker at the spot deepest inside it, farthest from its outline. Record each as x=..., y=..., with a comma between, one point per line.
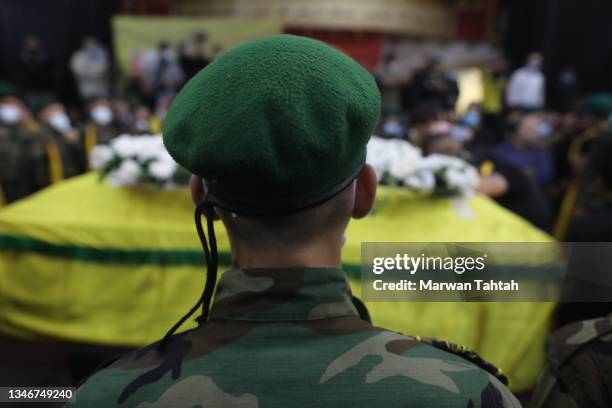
x=493, y=185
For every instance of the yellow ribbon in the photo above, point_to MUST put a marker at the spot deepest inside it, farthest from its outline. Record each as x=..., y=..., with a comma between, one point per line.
x=487, y=168
x=56, y=168
x=155, y=125
x=91, y=139
x=573, y=189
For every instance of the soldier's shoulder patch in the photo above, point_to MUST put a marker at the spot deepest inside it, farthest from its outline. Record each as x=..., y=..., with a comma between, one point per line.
x=467, y=354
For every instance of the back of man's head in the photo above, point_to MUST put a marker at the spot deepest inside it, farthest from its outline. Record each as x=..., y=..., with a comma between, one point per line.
x=326, y=220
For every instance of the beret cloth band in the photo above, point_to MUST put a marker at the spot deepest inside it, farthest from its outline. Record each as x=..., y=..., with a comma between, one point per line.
x=275, y=125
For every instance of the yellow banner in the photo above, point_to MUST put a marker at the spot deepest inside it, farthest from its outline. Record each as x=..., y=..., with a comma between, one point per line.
x=132, y=34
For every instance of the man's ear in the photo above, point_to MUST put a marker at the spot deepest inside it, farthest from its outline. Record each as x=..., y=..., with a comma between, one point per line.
x=196, y=185
x=365, y=192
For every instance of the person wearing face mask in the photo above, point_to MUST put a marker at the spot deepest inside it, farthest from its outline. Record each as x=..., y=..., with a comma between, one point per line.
x=122, y=115
x=503, y=182
x=527, y=85
x=60, y=147
x=141, y=121
x=168, y=75
x=16, y=131
x=90, y=66
x=100, y=128
x=484, y=136
x=525, y=151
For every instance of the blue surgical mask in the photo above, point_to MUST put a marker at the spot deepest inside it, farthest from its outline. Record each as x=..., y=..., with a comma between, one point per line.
x=393, y=128
x=471, y=119
x=545, y=129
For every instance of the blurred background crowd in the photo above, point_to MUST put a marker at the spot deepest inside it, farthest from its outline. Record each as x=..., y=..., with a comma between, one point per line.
x=526, y=113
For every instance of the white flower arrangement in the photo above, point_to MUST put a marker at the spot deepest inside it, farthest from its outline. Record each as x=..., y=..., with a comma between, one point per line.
x=398, y=163
x=137, y=161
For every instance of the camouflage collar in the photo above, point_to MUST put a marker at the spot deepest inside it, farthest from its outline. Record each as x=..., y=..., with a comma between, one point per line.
x=282, y=295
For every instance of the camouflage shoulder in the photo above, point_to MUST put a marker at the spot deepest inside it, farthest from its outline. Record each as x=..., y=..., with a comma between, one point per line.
x=449, y=357
x=467, y=354
x=564, y=343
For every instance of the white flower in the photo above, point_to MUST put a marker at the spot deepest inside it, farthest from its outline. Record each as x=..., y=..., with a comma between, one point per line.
x=162, y=169
x=394, y=156
x=421, y=181
x=127, y=174
x=150, y=147
x=125, y=146
x=437, y=162
x=100, y=156
x=404, y=160
x=465, y=180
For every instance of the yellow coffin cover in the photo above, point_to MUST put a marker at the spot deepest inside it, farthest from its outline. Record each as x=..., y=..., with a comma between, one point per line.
x=85, y=262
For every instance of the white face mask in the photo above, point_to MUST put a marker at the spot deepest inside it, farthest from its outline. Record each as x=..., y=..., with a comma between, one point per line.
x=9, y=114
x=59, y=121
x=102, y=115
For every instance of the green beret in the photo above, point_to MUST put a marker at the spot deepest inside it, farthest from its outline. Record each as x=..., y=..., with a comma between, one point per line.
x=599, y=104
x=275, y=125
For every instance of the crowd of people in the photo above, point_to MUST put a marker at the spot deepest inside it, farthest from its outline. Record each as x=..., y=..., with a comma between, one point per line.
x=43, y=140
x=533, y=154
x=538, y=157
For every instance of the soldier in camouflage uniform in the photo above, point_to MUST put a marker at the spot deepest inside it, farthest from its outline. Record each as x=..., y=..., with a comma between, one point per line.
x=16, y=151
x=278, y=129
x=579, y=371
x=58, y=147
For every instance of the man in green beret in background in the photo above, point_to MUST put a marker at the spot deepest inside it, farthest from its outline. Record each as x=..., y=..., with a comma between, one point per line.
x=275, y=132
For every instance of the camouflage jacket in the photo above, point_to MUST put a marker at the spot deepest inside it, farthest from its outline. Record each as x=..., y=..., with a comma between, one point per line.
x=579, y=371
x=70, y=156
x=15, y=152
x=292, y=338
x=17, y=155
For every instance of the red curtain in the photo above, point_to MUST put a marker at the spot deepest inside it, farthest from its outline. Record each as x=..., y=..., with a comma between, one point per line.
x=365, y=48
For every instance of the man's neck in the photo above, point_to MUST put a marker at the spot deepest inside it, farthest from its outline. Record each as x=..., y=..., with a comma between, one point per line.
x=320, y=254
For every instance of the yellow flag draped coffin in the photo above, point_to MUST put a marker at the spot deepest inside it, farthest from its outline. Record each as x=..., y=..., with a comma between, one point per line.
x=84, y=261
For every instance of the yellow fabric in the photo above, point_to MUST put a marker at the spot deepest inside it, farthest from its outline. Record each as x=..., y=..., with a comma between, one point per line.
x=487, y=168
x=91, y=139
x=132, y=34
x=42, y=295
x=567, y=209
x=155, y=125
x=56, y=168
x=493, y=93
x=573, y=189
